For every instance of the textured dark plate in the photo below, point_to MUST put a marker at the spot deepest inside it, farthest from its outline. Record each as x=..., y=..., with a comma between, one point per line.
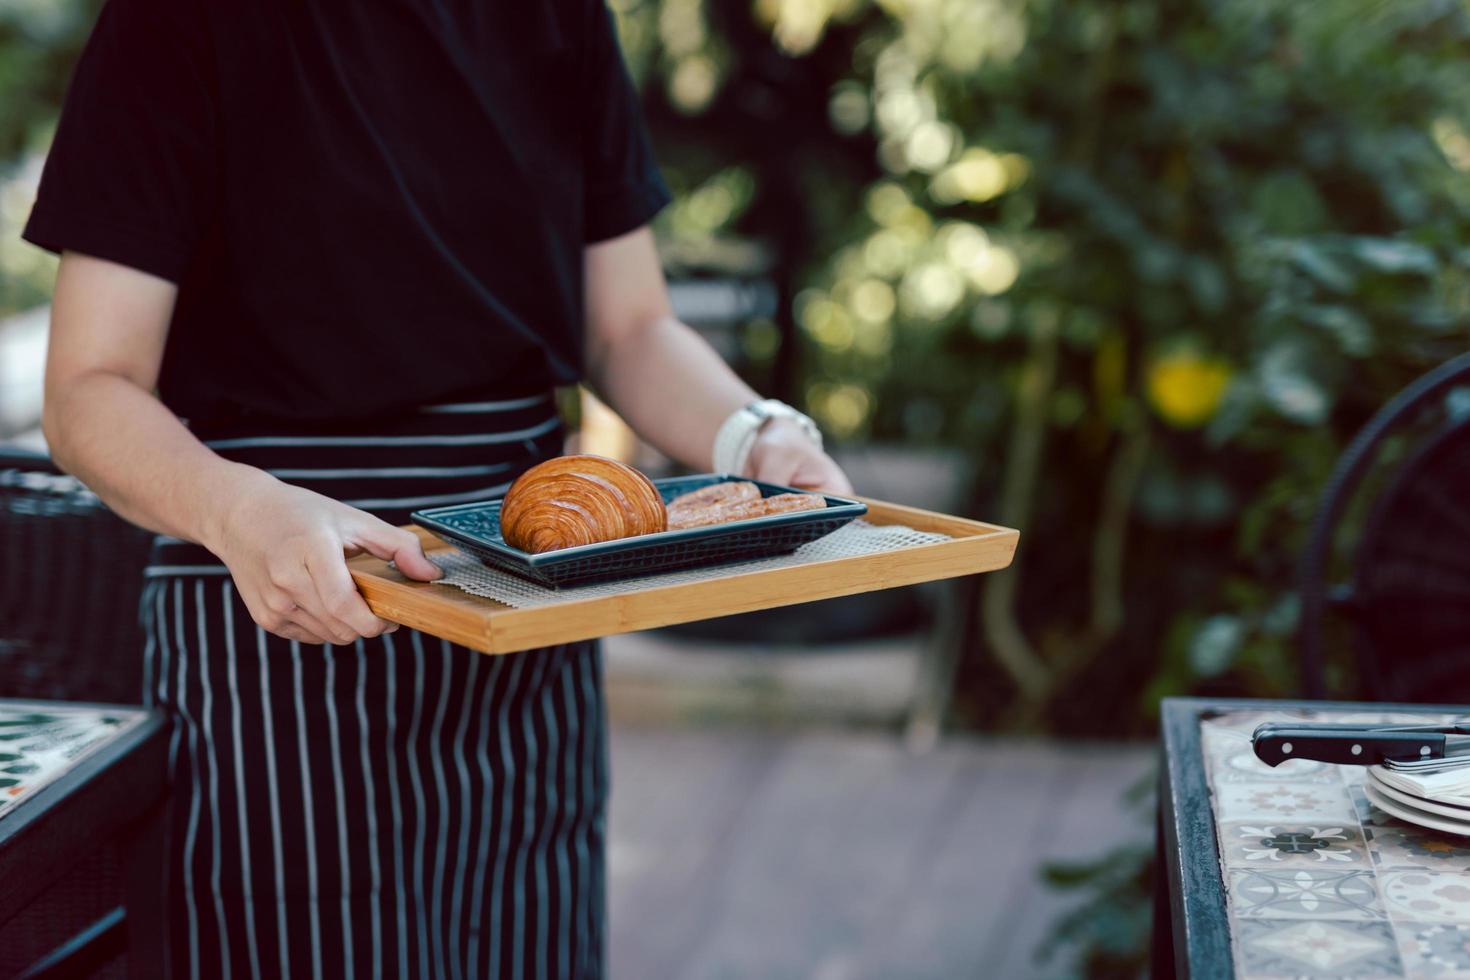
x=475, y=528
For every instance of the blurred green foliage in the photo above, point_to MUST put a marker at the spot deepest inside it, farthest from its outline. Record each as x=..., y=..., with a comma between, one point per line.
x=1107, y=934
x=1146, y=263
x=1149, y=264
x=39, y=41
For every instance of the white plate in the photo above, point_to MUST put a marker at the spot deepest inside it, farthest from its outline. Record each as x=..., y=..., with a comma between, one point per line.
x=1454, y=811
x=1415, y=815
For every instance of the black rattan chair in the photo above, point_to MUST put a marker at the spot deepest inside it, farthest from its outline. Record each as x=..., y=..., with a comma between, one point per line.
x=1406, y=589
x=70, y=580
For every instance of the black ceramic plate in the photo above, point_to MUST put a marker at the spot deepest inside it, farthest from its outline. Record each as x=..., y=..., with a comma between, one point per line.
x=475, y=528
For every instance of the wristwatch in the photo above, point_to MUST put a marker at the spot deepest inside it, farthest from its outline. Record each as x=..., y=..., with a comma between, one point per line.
x=738, y=434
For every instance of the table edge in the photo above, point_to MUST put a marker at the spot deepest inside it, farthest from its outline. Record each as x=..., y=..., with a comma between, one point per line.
x=1197, y=906
x=24, y=830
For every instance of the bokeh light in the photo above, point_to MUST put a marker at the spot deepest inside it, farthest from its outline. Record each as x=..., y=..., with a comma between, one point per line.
x=1186, y=388
x=693, y=83
x=931, y=291
x=979, y=175
x=849, y=108
x=1452, y=141
x=841, y=408
x=873, y=300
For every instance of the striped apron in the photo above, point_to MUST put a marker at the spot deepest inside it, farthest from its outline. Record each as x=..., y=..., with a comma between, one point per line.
x=399, y=807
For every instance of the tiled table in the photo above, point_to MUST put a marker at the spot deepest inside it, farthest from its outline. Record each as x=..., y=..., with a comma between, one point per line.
x=80, y=788
x=1290, y=872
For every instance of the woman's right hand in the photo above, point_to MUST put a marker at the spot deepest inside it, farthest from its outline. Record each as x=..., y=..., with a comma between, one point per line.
x=286, y=548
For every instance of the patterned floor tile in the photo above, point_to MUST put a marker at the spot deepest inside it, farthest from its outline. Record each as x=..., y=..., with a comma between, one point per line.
x=1384, y=718
x=1273, y=802
x=1293, y=844
x=1305, y=893
x=1240, y=724
x=1236, y=762
x=1368, y=814
x=1435, y=896
x=1398, y=844
x=1308, y=949
x=40, y=740
x=1321, y=883
x=1218, y=742
x=1440, y=950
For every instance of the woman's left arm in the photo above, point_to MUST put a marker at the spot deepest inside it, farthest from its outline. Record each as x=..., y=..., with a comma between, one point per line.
x=670, y=385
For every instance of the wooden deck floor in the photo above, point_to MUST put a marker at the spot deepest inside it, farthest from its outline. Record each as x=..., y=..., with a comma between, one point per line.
x=837, y=855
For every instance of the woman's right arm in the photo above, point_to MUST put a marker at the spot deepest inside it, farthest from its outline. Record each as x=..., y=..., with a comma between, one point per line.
x=284, y=546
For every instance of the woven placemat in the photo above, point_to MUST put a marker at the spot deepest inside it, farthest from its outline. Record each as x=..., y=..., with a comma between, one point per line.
x=850, y=541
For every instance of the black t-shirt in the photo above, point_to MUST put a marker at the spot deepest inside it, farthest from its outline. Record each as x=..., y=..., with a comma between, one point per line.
x=366, y=206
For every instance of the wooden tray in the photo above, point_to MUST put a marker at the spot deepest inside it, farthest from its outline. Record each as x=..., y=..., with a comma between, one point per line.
x=493, y=627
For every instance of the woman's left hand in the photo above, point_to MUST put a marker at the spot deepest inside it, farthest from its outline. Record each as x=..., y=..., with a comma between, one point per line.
x=783, y=454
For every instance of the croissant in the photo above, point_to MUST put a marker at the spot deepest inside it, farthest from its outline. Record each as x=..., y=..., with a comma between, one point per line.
x=575, y=500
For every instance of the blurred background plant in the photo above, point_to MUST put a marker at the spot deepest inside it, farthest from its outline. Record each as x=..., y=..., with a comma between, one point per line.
x=1147, y=264
x=39, y=42
x=1144, y=265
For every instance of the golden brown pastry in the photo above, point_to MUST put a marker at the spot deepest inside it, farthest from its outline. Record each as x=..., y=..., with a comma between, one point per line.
x=575, y=500
x=741, y=510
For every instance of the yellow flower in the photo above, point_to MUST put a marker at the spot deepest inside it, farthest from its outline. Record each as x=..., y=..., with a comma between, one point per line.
x=1186, y=388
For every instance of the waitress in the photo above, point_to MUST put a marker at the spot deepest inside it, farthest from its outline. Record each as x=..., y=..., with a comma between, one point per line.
x=322, y=264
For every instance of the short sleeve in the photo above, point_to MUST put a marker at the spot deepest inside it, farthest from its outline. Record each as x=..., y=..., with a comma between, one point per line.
x=132, y=173
x=623, y=188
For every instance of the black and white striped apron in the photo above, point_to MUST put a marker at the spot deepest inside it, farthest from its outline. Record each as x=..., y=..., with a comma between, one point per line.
x=400, y=807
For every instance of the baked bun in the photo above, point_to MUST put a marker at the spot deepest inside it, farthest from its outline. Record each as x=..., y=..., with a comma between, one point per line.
x=575, y=500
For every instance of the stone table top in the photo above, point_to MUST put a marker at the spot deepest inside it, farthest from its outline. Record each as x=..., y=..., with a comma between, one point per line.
x=1319, y=882
x=39, y=741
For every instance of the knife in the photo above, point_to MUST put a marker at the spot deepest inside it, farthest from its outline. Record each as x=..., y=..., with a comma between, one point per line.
x=1358, y=745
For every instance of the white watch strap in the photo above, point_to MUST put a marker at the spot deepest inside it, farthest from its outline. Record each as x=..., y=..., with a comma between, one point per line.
x=737, y=435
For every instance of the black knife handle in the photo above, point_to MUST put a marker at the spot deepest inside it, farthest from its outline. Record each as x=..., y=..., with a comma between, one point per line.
x=1275, y=745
